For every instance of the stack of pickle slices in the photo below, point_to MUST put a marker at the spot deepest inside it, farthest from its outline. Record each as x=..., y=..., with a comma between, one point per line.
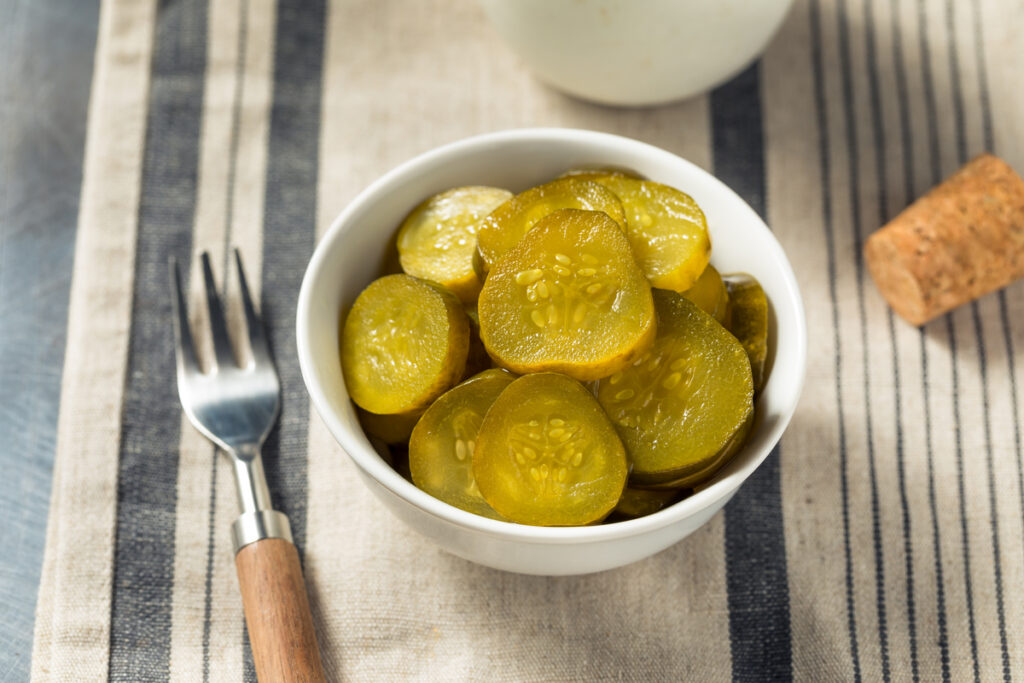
x=559, y=357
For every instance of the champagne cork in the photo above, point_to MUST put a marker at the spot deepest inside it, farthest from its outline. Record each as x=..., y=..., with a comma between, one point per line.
x=962, y=240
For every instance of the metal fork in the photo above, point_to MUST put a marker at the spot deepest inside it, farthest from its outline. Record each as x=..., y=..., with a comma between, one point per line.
x=235, y=407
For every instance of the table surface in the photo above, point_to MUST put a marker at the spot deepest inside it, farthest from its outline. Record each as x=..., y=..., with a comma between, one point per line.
x=46, y=61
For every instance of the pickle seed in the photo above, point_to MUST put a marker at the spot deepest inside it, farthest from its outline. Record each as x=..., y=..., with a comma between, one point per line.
x=528, y=277
x=672, y=380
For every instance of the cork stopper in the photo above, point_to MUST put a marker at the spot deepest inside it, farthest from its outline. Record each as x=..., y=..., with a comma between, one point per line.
x=962, y=240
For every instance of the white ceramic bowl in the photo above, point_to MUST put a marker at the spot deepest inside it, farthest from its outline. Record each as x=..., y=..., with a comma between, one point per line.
x=636, y=52
x=348, y=258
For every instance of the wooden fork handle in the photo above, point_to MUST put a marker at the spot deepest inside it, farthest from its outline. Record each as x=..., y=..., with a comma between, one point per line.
x=277, y=612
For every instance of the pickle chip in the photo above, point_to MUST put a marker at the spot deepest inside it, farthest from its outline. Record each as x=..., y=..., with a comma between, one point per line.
x=666, y=228
x=438, y=239
x=443, y=441
x=567, y=298
x=547, y=455
x=403, y=343
x=595, y=172
x=677, y=406
x=391, y=429
x=642, y=502
x=749, y=321
x=477, y=359
x=710, y=295
x=508, y=223
x=699, y=478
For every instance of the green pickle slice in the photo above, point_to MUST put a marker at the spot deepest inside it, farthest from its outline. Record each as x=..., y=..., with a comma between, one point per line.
x=677, y=407
x=443, y=441
x=567, y=298
x=710, y=294
x=403, y=343
x=507, y=224
x=437, y=241
x=666, y=228
x=749, y=321
x=547, y=455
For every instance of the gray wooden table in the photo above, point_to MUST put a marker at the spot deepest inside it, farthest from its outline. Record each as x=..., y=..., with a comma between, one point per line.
x=46, y=58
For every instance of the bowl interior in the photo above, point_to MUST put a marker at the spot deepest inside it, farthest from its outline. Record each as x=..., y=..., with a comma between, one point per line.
x=351, y=253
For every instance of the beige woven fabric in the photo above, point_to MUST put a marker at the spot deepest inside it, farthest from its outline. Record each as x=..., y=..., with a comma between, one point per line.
x=899, y=542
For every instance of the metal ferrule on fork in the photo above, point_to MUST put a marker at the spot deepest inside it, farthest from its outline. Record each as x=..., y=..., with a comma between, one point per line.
x=258, y=519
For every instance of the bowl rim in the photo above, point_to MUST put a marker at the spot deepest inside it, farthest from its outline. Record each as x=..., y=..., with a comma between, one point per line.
x=370, y=462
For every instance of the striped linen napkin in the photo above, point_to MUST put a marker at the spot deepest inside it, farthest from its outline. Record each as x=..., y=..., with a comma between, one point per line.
x=883, y=539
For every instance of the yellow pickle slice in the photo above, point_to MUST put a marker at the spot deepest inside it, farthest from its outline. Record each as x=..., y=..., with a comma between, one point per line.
x=700, y=477
x=547, y=455
x=710, y=295
x=391, y=429
x=508, y=223
x=595, y=172
x=438, y=239
x=666, y=228
x=642, y=502
x=567, y=298
x=443, y=441
x=749, y=321
x=403, y=343
x=678, y=405
x=477, y=359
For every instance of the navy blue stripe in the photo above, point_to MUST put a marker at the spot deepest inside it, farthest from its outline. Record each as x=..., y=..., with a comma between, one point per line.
x=881, y=172
x=211, y=549
x=825, y=172
x=755, y=547
x=853, y=160
x=988, y=137
x=211, y=552
x=997, y=561
x=1011, y=369
x=140, y=634
x=289, y=233
x=961, y=137
x=907, y=147
x=936, y=177
x=962, y=493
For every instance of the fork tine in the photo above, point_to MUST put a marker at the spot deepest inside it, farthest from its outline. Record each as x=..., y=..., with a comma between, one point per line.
x=257, y=337
x=218, y=326
x=184, y=349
